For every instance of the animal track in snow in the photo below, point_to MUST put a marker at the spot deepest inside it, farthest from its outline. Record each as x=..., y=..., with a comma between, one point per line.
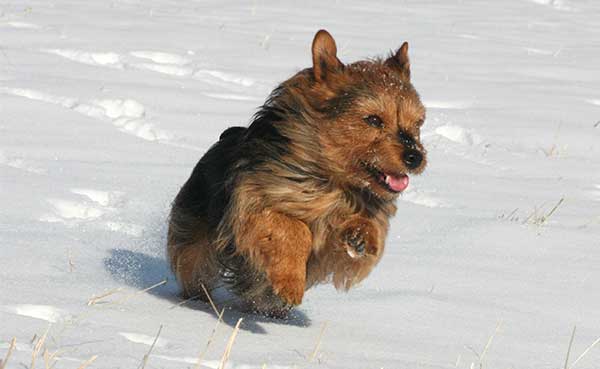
x=43, y=312
x=165, y=63
x=125, y=114
x=144, y=339
x=67, y=210
x=214, y=364
x=108, y=59
x=161, y=58
x=161, y=62
x=173, y=70
x=556, y=4
x=457, y=141
x=458, y=134
x=593, y=101
x=40, y=96
x=534, y=51
x=95, y=204
x=103, y=198
x=470, y=37
x=596, y=193
x=232, y=97
x=211, y=75
x=22, y=25
x=19, y=163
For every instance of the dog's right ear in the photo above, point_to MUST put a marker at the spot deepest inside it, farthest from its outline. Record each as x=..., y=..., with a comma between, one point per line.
x=324, y=55
x=399, y=61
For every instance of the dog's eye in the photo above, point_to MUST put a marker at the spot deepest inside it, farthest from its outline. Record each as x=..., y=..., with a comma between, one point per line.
x=374, y=121
x=420, y=122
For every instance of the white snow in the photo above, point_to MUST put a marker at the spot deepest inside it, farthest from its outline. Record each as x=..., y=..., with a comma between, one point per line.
x=65, y=210
x=173, y=70
x=161, y=57
x=143, y=339
x=458, y=134
x=24, y=25
x=103, y=198
x=227, y=77
x=43, y=312
x=433, y=104
x=106, y=106
x=108, y=59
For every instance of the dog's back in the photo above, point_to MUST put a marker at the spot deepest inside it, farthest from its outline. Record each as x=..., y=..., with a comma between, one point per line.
x=205, y=193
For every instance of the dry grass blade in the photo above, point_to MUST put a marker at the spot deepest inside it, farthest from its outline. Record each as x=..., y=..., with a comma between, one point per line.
x=457, y=363
x=212, y=303
x=71, y=263
x=38, y=347
x=230, y=345
x=13, y=344
x=318, y=344
x=209, y=342
x=562, y=199
x=570, y=346
x=488, y=344
x=164, y=281
x=585, y=352
x=47, y=359
x=50, y=358
x=128, y=296
x=538, y=217
x=88, y=362
x=183, y=302
x=95, y=299
x=147, y=356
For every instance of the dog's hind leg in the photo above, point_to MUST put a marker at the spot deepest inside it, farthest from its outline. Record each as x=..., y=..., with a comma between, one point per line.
x=279, y=246
x=193, y=259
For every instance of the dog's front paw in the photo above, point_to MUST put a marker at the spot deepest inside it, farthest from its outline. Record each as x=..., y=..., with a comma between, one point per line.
x=288, y=287
x=360, y=239
x=355, y=244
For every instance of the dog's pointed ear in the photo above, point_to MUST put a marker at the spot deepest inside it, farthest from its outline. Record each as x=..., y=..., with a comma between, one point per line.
x=324, y=55
x=399, y=61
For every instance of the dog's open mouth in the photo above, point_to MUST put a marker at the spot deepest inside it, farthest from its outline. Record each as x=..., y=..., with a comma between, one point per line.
x=395, y=183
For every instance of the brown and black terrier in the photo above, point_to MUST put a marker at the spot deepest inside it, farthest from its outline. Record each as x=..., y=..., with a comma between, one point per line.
x=303, y=195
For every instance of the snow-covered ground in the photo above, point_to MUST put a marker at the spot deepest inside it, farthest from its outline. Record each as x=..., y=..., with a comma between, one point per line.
x=105, y=106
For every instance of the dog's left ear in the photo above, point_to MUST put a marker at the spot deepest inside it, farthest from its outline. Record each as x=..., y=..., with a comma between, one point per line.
x=400, y=62
x=324, y=55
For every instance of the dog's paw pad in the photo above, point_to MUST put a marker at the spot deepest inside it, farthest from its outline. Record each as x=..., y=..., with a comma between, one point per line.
x=357, y=246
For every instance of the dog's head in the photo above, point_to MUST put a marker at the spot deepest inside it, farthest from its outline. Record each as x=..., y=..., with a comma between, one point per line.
x=370, y=118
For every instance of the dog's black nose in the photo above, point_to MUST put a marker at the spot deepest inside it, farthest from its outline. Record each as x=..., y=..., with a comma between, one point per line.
x=412, y=158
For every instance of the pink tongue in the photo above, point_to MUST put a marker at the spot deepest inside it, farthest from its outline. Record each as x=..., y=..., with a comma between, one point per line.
x=397, y=184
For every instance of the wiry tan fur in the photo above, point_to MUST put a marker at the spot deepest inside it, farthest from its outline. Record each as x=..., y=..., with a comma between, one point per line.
x=289, y=219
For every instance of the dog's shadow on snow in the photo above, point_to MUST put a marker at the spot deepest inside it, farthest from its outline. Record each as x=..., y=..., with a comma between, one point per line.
x=140, y=271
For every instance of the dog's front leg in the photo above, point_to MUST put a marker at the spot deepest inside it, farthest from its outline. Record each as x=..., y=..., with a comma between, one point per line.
x=360, y=237
x=280, y=246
